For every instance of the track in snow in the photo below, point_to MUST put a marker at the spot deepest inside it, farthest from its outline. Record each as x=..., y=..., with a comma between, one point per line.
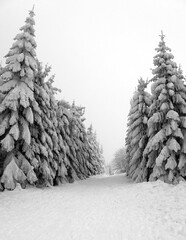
x=99, y=208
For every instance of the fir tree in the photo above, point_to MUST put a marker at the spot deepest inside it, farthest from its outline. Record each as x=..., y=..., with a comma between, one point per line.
x=72, y=131
x=96, y=150
x=46, y=141
x=164, y=155
x=137, y=132
x=68, y=147
x=17, y=106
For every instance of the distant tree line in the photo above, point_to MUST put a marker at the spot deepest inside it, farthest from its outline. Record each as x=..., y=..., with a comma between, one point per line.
x=119, y=161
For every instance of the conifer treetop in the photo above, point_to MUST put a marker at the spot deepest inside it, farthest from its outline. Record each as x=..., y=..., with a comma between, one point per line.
x=162, y=36
x=142, y=84
x=21, y=67
x=163, y=61
x=30, y=22
x=90, y=129
x=77, y=111
x=180, y=73
x=162, y=46
x=21, y=59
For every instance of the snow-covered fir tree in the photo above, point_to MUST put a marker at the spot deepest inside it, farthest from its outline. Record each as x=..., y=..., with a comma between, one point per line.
x=96, y=148
x=137, y=132
x=46, y=145
x=67, y=144
x=164, y=155
x=17, y=106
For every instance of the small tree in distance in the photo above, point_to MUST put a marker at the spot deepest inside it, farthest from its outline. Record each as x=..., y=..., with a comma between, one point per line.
x=118, y=162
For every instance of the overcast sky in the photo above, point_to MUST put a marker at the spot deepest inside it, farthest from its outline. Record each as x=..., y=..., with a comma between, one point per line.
x=98, y=50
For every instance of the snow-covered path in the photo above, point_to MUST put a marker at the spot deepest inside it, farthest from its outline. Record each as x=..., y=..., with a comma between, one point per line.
x=100, y=208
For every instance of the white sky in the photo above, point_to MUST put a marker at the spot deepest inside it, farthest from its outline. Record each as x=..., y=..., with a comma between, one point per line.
x=98, y=50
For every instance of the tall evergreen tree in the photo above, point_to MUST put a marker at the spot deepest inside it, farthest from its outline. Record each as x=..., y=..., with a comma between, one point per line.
x=17, y=106
x=136, y=139
x=164, y=155
x=46, y=146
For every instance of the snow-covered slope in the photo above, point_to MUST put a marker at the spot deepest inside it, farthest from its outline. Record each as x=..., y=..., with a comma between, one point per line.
x=100, y=208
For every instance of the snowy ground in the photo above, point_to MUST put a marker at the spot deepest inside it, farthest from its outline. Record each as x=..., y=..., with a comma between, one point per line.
x=100, y=208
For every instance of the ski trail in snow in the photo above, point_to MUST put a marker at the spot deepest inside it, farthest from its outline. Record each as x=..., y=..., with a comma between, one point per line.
x=99, y=208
